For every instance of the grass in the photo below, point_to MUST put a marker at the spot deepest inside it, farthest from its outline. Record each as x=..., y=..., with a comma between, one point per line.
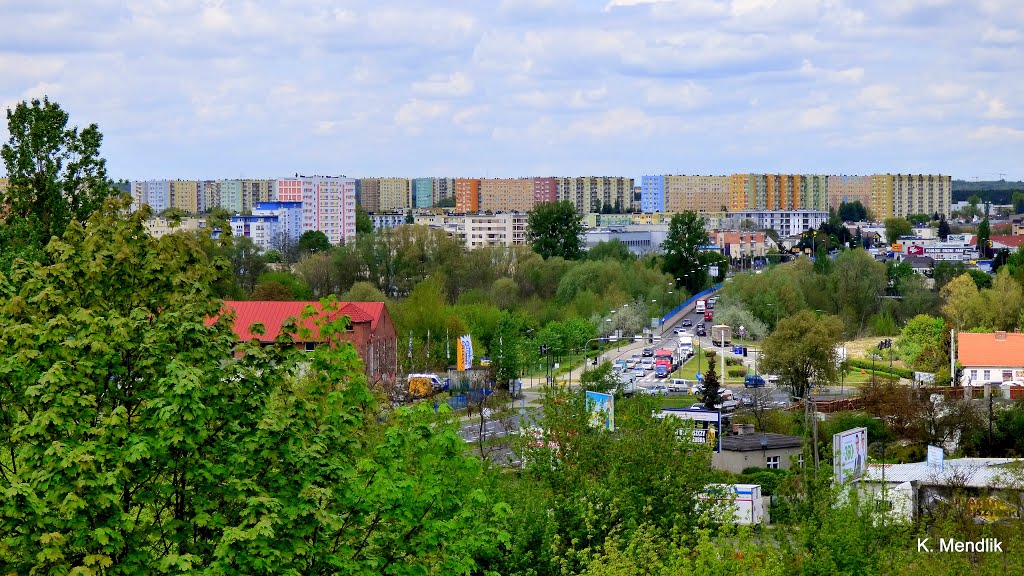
x=678, y=401
x=688, y=371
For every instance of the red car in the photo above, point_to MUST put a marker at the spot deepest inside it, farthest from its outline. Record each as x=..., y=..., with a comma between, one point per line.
x=709, y=315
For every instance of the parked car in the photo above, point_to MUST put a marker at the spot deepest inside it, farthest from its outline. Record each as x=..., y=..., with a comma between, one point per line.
x=648, y=352
x=657, y=390
x=753, y=381
x=687, y=322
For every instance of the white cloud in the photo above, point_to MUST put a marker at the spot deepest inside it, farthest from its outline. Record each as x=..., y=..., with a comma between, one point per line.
x=414, y=113
x=454, y=85
x=996, y=133
x=818, y=117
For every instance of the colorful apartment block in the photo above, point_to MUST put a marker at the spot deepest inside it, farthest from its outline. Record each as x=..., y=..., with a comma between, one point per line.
x=696, y=193
x=394, y=194
x=652, y=194
x=880, y=201
x=422, y=192
x=506, y=194
x=184, y=195
x=467, y=195
x=256, y=191
x=269, y=223
x=778, y=192
x=287, y=190
x=368, y=192
x=444, y=188
x=154, y=193
x=329, y=205
x=545, y=190
x=849, y=189
x=208, y=195
x=593, y=193
x=813, y=192
x=231, y=196
x=742, y=192
x=922, y=194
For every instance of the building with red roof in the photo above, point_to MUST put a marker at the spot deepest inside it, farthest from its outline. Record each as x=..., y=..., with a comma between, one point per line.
x=991, y=357
x=371, y=330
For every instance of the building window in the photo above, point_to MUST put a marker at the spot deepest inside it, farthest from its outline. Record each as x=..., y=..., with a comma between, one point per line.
x=985, y=375
x=773, y=462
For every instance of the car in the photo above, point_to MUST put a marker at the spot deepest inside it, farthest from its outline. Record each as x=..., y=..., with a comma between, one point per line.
x=687, y=322
x=647, y=364
x=753, y=381
x=679, y=385
x=648, y=352
x=727, y=394
x=485, y=361
x=657, y=390
x=678, y=330
x=631, y=363
x=639, y=372
x=701, y=331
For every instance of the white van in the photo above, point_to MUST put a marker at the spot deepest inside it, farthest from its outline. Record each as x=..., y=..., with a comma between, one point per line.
x=679, y=385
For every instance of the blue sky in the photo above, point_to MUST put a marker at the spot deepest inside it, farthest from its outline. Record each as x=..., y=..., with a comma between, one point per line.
x=506, y=88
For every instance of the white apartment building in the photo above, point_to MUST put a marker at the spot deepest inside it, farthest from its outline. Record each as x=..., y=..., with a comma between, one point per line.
x=329, y=205
x=785, y=222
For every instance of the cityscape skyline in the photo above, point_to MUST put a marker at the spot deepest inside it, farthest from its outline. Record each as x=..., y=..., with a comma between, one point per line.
x=521, y=87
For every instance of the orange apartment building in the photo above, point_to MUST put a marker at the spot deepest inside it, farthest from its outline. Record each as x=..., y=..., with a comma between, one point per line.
x=467, y=195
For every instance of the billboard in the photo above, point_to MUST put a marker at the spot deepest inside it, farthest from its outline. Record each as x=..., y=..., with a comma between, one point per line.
x=707, y=424
x=915, y=250
x=897, y=247
x=464, y=353
x=936, y=458
x=602, y=410
x=713, y=271
x=850, y=454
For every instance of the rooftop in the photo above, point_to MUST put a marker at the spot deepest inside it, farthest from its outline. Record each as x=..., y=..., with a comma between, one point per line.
x=273, y=314
x=750, y=442
x=967, y=472
x=990, y=349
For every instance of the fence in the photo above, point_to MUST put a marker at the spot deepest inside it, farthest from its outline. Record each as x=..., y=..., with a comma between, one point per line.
x=689, y=302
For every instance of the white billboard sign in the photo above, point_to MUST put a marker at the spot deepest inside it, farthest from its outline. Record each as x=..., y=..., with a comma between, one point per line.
x=850, y=454
x=936, y=458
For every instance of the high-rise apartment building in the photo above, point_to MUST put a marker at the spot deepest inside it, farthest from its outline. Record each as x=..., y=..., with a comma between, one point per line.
x=269, y=223
x=545, y=190
x=394, y=194
x=922, y=194
x=288, y=190
x=594, y=193
x=880, y=202
x=778, y=192
x=506, y=194
x=329, y=205
x=696, y=193
x=154, y=193
x=369, y=194
x=743, y=192
x=652, y=194
x=207, y=195
x=184, y=195
x=444, y=188
x=256, y=191
x=849, y=189
x=422, y=192
x=231, y=196
x=813, y=192
x=467, y=195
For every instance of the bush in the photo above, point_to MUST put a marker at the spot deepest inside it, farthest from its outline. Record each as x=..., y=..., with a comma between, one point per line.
x=733, y=362
x=736, y=372
x=883, y=325
x=710, y=354
x=769, y=479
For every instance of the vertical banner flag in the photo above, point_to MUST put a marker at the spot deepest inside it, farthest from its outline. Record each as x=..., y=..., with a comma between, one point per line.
x=465, y=353
x=410, y=343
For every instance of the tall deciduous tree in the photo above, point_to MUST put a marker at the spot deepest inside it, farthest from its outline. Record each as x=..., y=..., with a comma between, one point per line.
x=984, y=235
x=313, y=241
x=364, y=225
x=683, y=258
x=56, y=176
x=802, y=351
x=555, y=229
x=135, y=439
x=896, y=227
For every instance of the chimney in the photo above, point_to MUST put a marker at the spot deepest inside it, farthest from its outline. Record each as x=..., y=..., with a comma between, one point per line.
x=1000, y=336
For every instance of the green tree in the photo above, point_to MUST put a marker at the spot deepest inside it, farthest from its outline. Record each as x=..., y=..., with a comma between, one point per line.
x=802, y=351
x=712, y=393
x=247, y=261
x=857, y=285
x=683, y=258
x=55, y=176
x=1017, y=199
x=408, y=218
x=272, y=290
x=555, y=229
x=313, y=241
x=984, y=237
x=612, y=249
x=852, y=211
x=364, y=225
x=943, y=228
x=896, y=227
x=299, y=289
x=946, y=270
x=139, y=436
x=918, y=219
x=962, y=303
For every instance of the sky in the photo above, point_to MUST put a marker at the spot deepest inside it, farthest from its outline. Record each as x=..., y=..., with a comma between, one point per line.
x=512, y=88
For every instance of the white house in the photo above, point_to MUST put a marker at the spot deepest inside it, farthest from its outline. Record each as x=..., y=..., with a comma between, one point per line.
x=990, y=357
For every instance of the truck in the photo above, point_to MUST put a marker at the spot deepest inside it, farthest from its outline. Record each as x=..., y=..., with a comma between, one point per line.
x=700, y=305
x=721, y=335
x=685, y=347
x=627, y=384
x=664, y=363
x=424, y=385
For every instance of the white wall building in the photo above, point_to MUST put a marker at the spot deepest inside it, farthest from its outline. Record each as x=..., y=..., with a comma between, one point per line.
x=329, y=205
x=785, y=222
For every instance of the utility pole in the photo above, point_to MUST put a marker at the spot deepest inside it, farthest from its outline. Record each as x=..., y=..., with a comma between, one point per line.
x=814, y=427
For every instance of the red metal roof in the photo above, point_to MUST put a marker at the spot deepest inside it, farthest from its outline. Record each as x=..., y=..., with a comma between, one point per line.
x=273, y=314
x=1010, y=241
x=985, y=349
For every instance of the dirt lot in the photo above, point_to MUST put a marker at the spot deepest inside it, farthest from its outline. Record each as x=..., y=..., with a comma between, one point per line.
x=859, y=349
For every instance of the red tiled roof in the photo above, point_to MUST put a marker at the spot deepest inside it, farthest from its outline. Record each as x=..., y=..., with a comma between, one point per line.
x=1011, y=241
x=273, y=314
x=985, y=350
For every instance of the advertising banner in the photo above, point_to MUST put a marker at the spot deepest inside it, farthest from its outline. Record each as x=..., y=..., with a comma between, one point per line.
x=464, y=353
x=602, y=410
x=850, y=454
x=707, y=424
